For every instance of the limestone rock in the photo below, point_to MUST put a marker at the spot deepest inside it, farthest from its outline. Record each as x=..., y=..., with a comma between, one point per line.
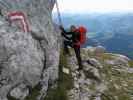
x=20, y=92
x=102, y=77
x=25, y=57
x=100, y=49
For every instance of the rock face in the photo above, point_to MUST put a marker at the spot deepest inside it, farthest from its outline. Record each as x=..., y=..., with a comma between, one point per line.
x=27, y=58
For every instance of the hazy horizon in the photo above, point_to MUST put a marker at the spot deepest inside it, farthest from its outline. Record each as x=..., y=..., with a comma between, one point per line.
x=98, y=6
x=93, y=12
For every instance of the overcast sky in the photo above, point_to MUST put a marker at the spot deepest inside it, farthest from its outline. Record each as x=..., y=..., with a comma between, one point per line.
x=95, y=5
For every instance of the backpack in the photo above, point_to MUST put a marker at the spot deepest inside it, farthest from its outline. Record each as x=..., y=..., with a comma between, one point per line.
x=82, y=30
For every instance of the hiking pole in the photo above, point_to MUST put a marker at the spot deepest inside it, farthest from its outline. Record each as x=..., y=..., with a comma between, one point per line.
x=58, y=12
x=59, y=18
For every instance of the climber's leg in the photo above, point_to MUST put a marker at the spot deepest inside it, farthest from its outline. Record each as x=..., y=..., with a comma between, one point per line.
x=77, y=52
x=66, y=49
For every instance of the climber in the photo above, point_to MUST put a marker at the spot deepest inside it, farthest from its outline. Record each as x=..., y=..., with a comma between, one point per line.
x=74, y=39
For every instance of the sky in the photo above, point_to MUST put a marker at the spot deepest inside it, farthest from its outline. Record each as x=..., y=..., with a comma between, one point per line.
x=72, y=6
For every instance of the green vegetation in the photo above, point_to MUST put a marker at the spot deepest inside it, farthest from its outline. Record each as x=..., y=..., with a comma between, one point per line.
x=101, y=57
x=119, y=84
x=64, y=79
x=130, y=63
x=58, y=93
x=92, y=87
x=64, y=83
x=11, y=98
x=107, y=56
x=35, y=92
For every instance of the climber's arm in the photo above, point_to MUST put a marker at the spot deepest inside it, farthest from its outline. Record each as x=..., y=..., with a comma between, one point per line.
x=64, y=33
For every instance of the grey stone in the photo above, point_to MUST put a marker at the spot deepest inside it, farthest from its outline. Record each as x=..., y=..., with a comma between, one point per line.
x=100, y=50
x=96, y=63
x=32, y=57
x=20, y=92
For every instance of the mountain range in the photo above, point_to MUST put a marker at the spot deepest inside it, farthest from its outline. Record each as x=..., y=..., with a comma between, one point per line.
x=114, y=31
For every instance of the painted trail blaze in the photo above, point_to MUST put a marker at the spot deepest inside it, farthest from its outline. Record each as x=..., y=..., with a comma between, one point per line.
x=19, y=16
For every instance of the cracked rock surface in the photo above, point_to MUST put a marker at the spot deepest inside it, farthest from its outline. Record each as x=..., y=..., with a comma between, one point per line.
x=27, y=58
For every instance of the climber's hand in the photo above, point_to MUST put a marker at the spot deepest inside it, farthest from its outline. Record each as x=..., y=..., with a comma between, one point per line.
x=61, y=27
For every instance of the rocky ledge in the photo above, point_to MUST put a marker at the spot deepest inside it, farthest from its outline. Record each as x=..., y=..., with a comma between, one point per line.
x=105, y=76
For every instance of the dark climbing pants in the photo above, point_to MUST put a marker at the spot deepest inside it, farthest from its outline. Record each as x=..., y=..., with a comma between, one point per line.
x=77, y=52
x=66, y=44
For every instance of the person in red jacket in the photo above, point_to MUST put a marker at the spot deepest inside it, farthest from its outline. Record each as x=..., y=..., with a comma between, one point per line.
x=72, y=41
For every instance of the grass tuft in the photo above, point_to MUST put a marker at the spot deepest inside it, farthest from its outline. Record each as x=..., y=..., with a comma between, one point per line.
x=34, y=93
x=130, y=63
x=65, y=82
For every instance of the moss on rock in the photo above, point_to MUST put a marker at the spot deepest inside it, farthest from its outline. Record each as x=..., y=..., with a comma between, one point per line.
x=130, y=63
x=65, y=82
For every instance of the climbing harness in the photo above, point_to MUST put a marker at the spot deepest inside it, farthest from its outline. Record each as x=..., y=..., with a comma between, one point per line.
x=58, y=12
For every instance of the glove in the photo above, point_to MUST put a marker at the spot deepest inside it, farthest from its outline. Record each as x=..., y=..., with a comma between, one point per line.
x=61, y=27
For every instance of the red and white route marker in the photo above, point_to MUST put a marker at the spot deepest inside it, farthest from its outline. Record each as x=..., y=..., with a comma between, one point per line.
x=19, y=16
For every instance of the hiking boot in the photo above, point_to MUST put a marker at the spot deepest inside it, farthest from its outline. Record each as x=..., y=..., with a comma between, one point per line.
x=79, y=69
